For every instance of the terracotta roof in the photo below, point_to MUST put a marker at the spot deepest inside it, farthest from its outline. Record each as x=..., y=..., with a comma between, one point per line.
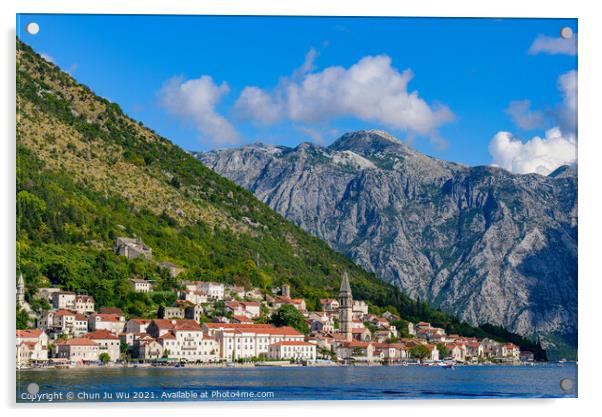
x=237, y=325
x=359, y=330
x=106, y=317
x=100, y=334
x=186, y=324
x=78, y=341
x=255, y=328
x=80, y=317
x=292, y=343
x=141, y=321
x=241, y=318
x=167, y=335
x=29, y=333
x=163, y=323
x=63, y=312
x=250, y=303
x=282, y=299
x=111, y=310
x=276, y=331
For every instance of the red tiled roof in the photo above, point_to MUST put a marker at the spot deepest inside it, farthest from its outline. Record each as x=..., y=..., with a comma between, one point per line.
x=163, y=323
x=100, y=334
x=141, y=321
x=237, y=325
x=29, y=333
x=63, y=312
x=241, y=318
x=186, y=324
x=255, y=328
x=292, y=343
x=250, y=303
x=359, y=330
x=106, y=317
x=78, y=341
x=282, y=299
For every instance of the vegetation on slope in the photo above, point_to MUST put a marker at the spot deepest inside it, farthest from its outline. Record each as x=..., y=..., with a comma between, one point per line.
x=87, y=173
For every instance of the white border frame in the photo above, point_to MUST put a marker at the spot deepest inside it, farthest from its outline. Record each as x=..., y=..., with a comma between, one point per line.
x=590, y=29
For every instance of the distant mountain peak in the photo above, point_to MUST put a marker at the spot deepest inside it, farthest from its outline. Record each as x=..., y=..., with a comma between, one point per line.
x=370, y=141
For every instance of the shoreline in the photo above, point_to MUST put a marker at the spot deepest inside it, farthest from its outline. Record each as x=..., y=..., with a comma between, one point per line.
x=253, y=366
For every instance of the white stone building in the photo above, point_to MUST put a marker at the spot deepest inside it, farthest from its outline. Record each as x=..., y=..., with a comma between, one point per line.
x=63, y=321
x=63, y=300
x=244, y=341
x=78, y=350
x=107, y=343
x=137, y=325
x=84, y=304
x=293, y=350
x=32, y=346
x=141, y=285
x=184, y=340
x=111, y=322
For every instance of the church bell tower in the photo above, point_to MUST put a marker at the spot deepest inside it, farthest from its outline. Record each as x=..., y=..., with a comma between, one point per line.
x=345, y=308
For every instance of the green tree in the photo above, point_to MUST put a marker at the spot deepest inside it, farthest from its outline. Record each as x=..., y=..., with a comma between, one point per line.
x=22, y=319
x=123, y=351
x=104, y=357
x=420, y=352
x=443, y=351
x=288, y=315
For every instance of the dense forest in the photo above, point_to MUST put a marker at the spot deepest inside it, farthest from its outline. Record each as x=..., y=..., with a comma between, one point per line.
x=87, y=173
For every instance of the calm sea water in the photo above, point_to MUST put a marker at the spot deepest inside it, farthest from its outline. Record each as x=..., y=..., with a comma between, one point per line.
x=302, y=383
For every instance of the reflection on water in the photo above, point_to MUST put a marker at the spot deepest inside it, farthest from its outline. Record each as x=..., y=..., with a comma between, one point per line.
x=319, y=383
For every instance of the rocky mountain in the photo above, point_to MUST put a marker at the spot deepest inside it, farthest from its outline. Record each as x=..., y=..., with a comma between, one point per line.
x=480, y=242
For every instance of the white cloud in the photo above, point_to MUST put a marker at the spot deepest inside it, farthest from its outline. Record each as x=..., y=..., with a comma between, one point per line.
x=370, y=90
x=540, y=155
x=256, y=105
x=566, y=112
x=553, y=46
x=308, y=64
x=195, y=100
x=522, y=115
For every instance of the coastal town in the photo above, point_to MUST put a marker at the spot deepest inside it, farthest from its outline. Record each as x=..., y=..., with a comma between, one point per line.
x=74, y=333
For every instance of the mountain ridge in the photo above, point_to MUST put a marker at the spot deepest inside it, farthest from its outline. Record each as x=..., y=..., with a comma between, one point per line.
x=479, y=242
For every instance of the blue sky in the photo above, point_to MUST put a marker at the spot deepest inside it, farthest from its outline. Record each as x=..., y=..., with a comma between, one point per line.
x=466, y=74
